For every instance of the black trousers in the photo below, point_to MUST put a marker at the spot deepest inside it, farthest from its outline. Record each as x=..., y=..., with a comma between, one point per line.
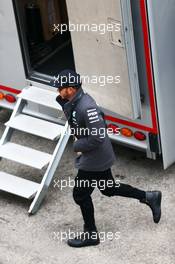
x=85, y=183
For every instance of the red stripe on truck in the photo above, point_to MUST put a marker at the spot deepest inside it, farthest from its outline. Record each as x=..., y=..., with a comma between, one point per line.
x=9, y=89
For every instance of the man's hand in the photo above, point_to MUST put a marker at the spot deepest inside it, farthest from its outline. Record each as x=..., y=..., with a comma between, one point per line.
x=75, y=139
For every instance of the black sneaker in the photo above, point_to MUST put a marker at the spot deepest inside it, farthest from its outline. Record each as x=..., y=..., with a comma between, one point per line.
x=153, y=200
x=89, y=238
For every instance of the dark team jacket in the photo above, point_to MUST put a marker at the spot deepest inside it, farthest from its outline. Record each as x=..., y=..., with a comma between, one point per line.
x=87, y=124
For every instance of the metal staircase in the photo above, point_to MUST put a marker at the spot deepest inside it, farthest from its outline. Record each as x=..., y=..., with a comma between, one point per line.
x=29, y=156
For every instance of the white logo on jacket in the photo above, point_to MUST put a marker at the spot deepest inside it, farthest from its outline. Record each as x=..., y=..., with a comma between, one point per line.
x=93, y=115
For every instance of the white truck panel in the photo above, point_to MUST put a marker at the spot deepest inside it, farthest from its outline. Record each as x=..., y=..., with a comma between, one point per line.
x=11, y=64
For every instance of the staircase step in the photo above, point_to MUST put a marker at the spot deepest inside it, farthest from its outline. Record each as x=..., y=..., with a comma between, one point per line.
x=24, y=155
x=40, y=96
x=18, y=186
x=36, y=126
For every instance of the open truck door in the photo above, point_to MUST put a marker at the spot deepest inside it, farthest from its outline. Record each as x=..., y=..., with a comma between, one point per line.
x=114, y=49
